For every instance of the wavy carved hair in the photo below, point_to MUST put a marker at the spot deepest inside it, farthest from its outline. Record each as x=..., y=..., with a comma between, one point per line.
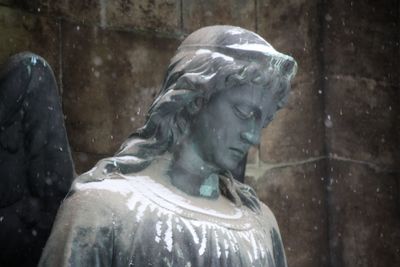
x=201, y=74
x=209, y=60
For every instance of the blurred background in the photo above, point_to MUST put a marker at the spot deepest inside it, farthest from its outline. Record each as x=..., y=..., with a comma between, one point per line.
x=328, y=165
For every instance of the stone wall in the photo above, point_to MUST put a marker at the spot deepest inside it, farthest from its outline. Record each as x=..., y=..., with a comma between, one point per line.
x=361, y=85
x=328, y=165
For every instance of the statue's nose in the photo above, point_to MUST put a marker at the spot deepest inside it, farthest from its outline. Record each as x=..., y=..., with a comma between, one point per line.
x=253, y=138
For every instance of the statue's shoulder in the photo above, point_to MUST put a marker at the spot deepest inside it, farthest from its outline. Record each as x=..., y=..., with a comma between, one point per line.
x=106, y=195
x=268, y=216
x=276, y=238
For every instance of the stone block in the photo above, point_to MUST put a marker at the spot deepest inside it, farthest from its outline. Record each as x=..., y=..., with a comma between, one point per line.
x=253, y=155
x=364, y=213
x=292, y=27
x=157, y=15
x=22, y=31
x=84, y=11
x=110, y=79
x=81, y=11
x=197, y=14
x=297, y=131
x=32, y=6
x=361, y=39
x=6, y=2
x=361, y=120
x=296, y=195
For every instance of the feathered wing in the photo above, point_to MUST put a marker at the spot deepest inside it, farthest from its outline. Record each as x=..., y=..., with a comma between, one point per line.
x=35, y=163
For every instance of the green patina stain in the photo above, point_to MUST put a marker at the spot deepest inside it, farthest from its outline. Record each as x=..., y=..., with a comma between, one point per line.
x=210, y=186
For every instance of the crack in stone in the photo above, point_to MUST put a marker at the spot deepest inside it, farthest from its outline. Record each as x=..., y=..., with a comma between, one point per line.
x=362, y=79
x=257, y=170
x=372, y=165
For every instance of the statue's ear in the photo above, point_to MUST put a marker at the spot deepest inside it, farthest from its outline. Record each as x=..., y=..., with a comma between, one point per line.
x=186, y=83
x=196, y=102
x=195, y=105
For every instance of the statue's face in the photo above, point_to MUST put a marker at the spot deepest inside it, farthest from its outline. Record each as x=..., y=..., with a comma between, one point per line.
x=230, y=122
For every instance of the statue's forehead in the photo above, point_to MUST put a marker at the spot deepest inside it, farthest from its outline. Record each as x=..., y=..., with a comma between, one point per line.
x=249, y=94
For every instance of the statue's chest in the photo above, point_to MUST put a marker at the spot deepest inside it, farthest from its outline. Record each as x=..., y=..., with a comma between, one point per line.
x=155, y=236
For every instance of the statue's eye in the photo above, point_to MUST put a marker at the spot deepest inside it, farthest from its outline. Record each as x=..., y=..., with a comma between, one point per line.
x=243, y=112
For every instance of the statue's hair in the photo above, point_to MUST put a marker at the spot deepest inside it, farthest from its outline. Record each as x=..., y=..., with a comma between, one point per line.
x=201, y=74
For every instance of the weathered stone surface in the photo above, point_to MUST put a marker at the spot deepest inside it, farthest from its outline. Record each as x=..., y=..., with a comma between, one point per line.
x=364, y=216
x=253, y=155
x=6, y=2
x=21, y=31
x=361, y=64
x=157, y=15
x=85, y=161
x=361, y=120
x=297, y=131
x=360, y=39
x=292, y=27
x=110, y=79
x=197, y=14
x=37, y=6
x=82, y=11
x=296, y=195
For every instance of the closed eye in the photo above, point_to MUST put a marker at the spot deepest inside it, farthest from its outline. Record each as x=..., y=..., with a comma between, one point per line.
x=243, y=112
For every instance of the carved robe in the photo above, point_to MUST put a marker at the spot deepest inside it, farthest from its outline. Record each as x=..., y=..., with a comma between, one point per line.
x=142, y=221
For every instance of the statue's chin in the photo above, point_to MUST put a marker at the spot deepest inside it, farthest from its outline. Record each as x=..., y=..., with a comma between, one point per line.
x=228, y=164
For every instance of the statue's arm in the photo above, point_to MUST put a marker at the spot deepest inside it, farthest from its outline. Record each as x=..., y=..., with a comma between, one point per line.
x=279, y=255
x=277, y=245
x=82, y=234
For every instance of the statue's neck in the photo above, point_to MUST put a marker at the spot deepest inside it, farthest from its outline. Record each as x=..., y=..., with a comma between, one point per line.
x=192, y=175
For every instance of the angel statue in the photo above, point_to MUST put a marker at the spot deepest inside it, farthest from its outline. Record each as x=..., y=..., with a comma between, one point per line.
x=169, y=196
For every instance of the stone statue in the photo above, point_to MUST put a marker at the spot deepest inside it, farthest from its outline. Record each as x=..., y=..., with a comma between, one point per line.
x=167, y=198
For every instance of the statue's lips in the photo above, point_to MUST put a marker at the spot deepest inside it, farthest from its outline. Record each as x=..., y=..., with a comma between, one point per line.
x=238, y=151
